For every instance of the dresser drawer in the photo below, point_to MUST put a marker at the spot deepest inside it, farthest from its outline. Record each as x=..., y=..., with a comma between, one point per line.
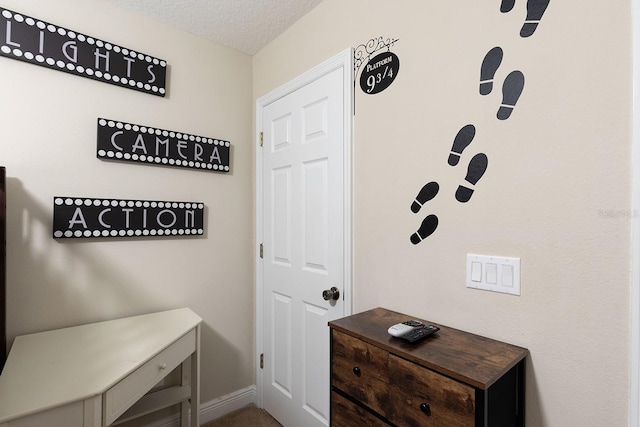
x=345, y=413
x=360, y=370
x=124, y=394
x=421, y=397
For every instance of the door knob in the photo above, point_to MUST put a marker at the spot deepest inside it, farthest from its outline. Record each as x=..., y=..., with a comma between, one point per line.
x=331, y=294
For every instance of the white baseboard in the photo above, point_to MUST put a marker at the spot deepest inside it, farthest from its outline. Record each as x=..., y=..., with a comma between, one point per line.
x=226, y=404
x=216, y=408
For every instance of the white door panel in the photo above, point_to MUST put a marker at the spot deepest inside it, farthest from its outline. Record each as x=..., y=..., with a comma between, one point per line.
x=281, y=362
x=304, y=223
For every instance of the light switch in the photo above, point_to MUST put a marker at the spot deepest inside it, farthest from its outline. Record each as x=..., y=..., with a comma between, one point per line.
x=492, y=273
x=476, y=271
x=507, y=275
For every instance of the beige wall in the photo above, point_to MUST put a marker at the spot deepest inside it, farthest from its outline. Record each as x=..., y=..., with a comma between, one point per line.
x=48, y=140
x=556, y=192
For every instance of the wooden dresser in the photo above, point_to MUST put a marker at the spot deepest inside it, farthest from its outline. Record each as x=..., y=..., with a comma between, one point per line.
x=452, y=378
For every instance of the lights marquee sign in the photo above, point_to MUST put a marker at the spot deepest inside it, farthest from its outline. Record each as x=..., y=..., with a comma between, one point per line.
x=37, y=42
x=81, y=217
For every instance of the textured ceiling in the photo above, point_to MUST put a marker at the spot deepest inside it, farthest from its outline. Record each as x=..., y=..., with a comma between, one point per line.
x=245, y=25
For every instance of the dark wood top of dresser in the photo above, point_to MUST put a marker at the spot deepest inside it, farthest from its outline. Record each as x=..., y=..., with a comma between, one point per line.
x=470, y=358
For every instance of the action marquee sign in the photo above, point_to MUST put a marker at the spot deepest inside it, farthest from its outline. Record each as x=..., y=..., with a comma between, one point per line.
x=143, y=144
x=81, y=217
x=37, y=42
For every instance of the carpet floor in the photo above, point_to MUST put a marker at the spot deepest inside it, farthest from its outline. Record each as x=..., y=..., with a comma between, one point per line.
x=249, y=416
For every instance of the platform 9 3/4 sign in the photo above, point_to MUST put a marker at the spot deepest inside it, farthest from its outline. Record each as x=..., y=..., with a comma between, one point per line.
x=379, y=73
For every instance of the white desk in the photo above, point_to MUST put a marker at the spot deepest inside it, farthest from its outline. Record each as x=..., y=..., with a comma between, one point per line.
x=90, y=375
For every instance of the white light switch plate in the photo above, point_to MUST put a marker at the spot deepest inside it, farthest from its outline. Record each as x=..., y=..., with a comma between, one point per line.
x=493, y=273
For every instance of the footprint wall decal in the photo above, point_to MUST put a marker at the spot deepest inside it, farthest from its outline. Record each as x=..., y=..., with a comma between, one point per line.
x=475, y=171
x=425, y=194
x=511, y=90
x=428, y=226
x=490, y=65
x=535, y=10
x=507, y=5
x=460, y=142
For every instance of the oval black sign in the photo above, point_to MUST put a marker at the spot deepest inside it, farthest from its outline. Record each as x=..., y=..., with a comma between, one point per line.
x=379, y=73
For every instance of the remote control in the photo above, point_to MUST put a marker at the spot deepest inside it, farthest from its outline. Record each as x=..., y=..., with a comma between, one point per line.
x=402, y=328
x=420, y=333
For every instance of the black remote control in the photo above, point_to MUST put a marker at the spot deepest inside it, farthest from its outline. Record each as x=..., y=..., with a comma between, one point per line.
x=420, y=333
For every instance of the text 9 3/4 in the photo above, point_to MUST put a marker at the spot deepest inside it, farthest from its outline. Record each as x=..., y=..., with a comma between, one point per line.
x=379, y=73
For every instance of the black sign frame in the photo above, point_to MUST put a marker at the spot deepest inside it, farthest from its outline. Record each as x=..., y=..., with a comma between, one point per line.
x=379, y=73
x=89, y=217
x=38, y=42
x=128, y=142
x=381, y=70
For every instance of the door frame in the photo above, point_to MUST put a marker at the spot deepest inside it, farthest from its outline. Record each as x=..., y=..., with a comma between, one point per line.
x=634, y=392
x=342, y=60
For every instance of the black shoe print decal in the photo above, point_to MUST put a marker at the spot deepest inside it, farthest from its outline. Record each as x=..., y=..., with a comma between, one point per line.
x=535, y=10
x=460, y=142
x=507, y=5
x=428, y=226
x=477, y=168
x=427, y=193
x=511, y=91
x=490, y=65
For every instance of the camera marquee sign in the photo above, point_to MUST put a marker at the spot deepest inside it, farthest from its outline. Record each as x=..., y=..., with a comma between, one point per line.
x=37, y=42
x=81, y=217
x=142, y=144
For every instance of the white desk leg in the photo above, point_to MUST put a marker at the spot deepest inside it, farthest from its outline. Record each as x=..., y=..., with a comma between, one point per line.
x=185, y=381
x=195, y=382
x=184, y=413
x=93, y=411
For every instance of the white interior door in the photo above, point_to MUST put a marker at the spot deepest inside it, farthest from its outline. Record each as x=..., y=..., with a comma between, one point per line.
x=305, y=223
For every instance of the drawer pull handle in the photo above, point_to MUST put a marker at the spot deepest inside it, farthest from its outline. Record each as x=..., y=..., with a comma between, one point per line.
x=162, y=366
x=424, y=407
x=356, y=371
